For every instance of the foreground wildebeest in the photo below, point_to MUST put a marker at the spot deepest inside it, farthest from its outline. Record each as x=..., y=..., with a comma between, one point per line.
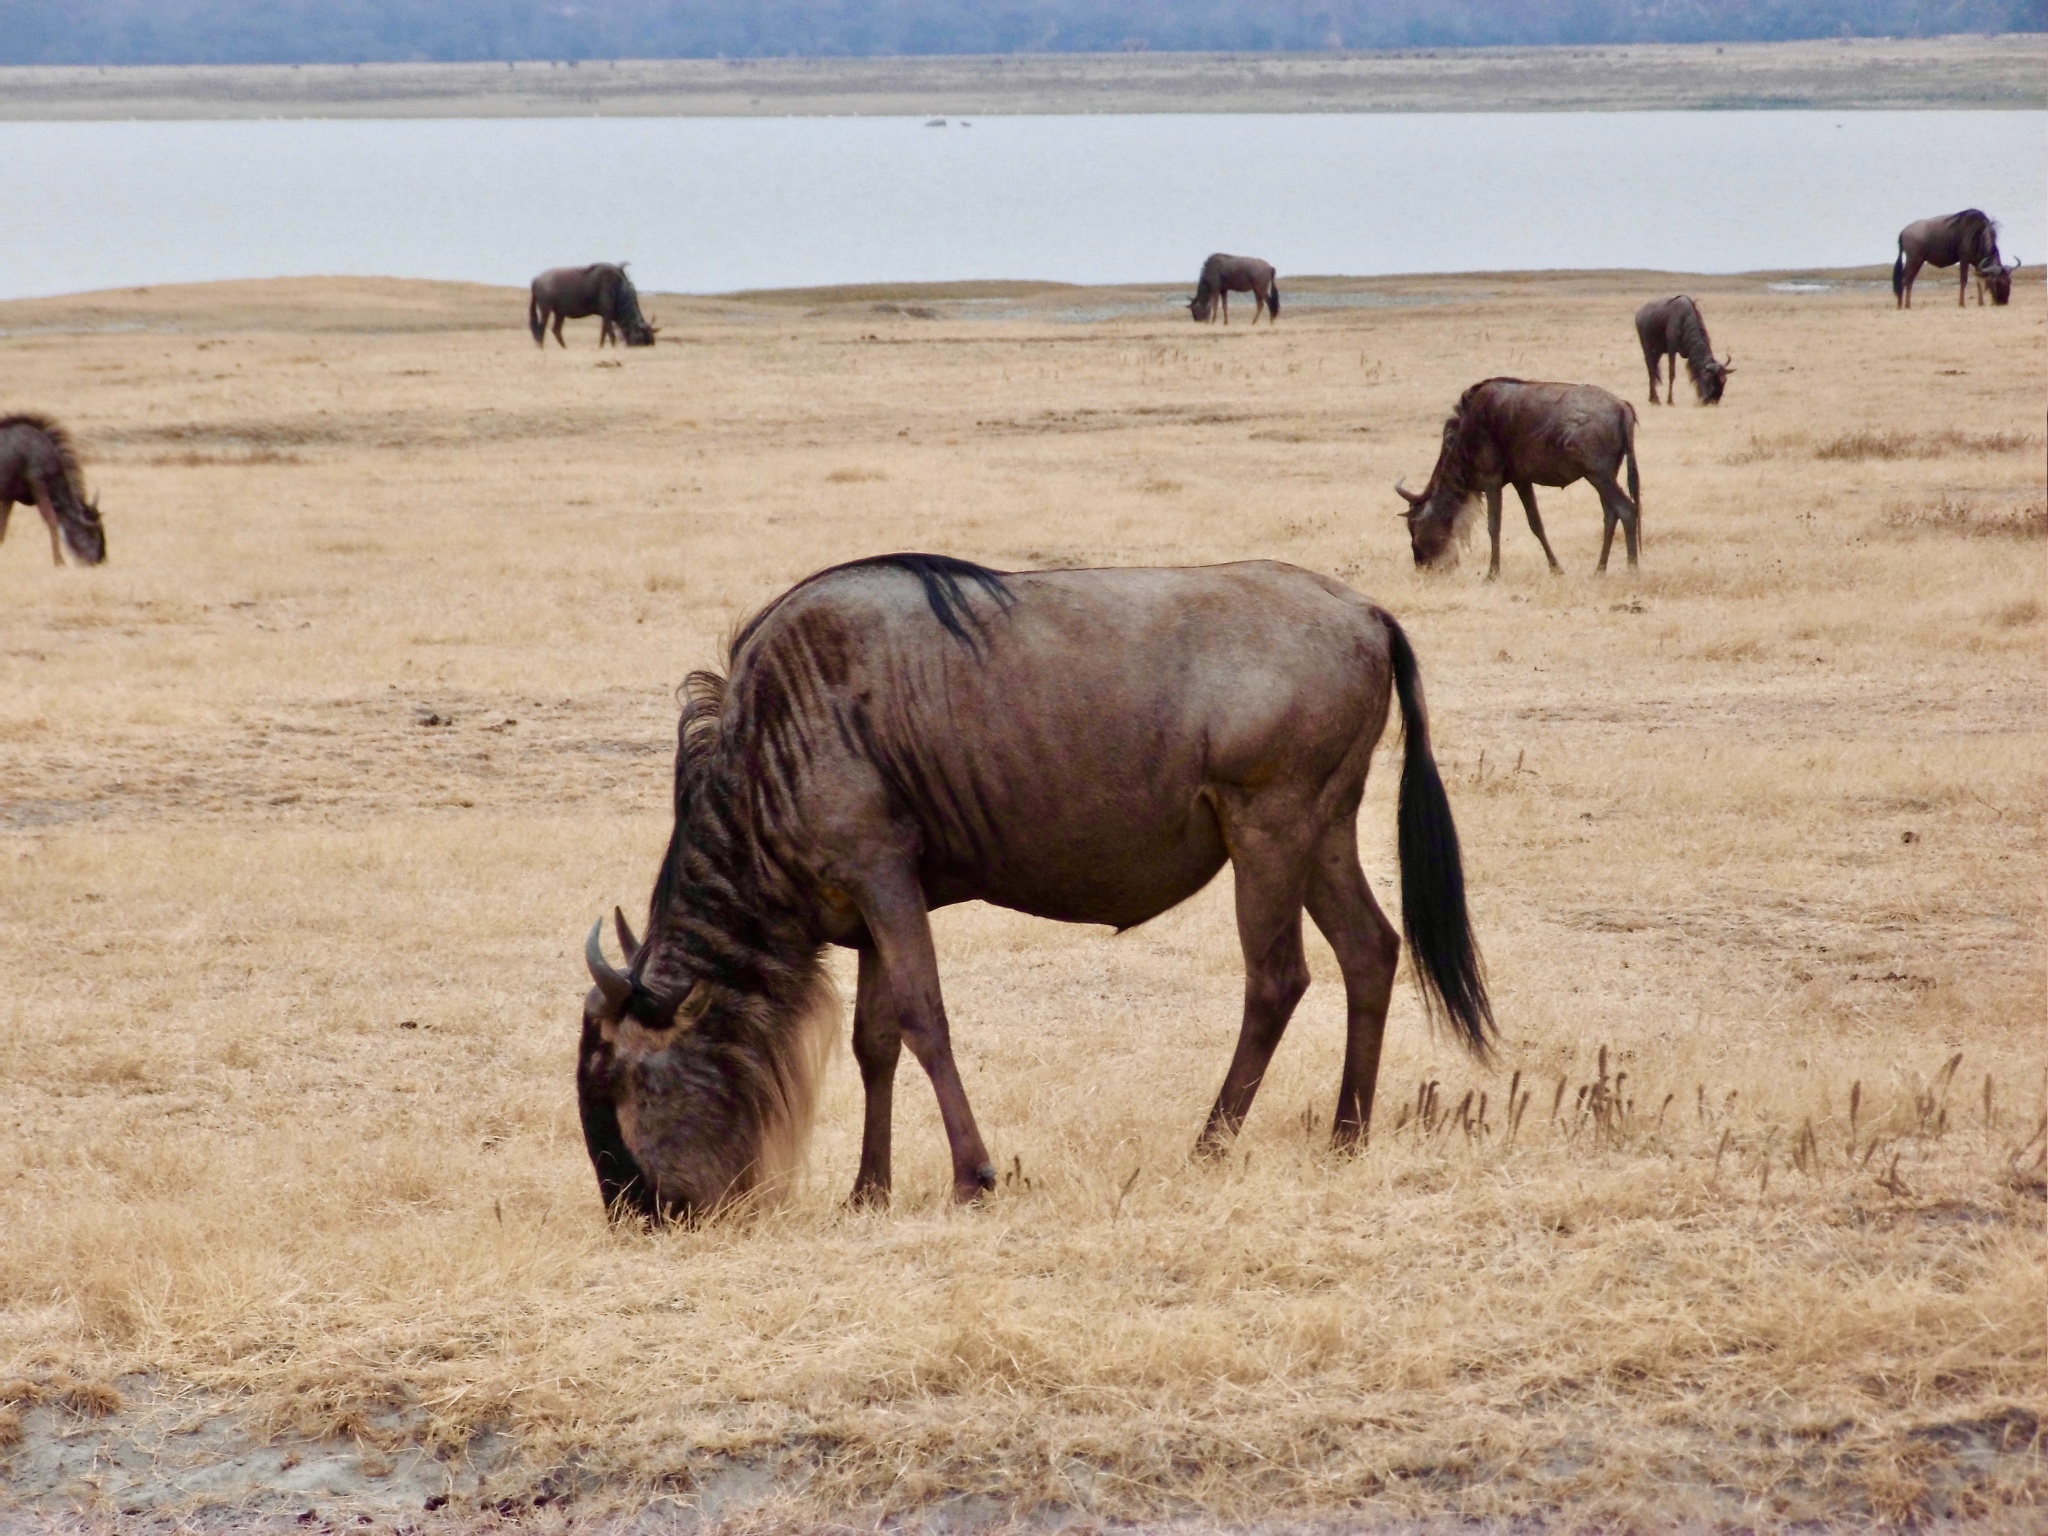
x=1673, y=328
x=1224, y=275
x=1511, y=432
x=37, y=465
x=576, y=293
x=908, y=732
x=1969, y=238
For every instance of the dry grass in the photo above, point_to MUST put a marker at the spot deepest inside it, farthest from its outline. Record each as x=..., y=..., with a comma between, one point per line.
x=312, y=791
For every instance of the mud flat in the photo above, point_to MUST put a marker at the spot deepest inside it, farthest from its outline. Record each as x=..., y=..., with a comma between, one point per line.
x=312, y=791
x=1952, y=72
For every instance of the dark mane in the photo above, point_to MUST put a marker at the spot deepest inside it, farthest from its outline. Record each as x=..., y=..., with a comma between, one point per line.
x=703, y=692
x=629, y=300
x=59, y=439
x=1693, y=345
x=941, y=575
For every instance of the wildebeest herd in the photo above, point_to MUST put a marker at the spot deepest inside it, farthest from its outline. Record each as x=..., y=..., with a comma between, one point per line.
x=825, y=794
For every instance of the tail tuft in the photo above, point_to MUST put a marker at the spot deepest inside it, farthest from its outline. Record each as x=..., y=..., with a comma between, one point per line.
x=1446, y=958
x=1899, y=272
x=534, y=321
x=1273, y=301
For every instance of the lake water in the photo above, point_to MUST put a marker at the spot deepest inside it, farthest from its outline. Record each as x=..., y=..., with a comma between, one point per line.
x=715, y=204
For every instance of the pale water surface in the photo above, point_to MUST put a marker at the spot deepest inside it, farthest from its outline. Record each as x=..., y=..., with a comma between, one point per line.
x=717, y=204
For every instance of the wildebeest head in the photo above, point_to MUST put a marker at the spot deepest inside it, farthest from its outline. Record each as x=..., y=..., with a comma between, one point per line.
x=1444, y=508
x=1997, y=277
x=86, y=534
x=693, y=1103
x=638, y=332
x=1202, y=305
x=1434, y=521
x=1710, y=379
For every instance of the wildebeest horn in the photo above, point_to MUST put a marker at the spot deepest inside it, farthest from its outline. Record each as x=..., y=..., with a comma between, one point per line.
x=627, y=943
x=615, y=985
x=1407, y=495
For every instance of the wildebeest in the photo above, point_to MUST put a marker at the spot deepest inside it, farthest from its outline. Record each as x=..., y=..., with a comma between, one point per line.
x=1511, y=432
x=1673, y=328
x=912, y=731
x=1224, y=275
x=37, y=465
x=1969, y=238
x=576, y=293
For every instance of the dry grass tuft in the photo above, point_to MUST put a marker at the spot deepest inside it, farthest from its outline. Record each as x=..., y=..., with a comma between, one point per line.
x=1892, y=443
x=2028, y=520
x=10, y=1428
x=313, y=790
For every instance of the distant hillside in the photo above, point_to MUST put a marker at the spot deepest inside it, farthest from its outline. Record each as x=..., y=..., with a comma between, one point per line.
x=364, y=31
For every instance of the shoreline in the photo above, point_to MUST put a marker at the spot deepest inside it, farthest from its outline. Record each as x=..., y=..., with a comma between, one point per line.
x=423, y=303
x=2008, y=72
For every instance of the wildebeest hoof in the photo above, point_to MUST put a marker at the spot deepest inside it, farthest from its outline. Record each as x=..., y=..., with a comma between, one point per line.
x=868, y=1197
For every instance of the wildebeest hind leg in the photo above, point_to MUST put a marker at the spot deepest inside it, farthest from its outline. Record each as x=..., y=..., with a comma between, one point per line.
x=1270, y=870
x=1617, y=508
x=877, y=1047
x=1368, y=949
x=907, y=1000
x=1527, y=492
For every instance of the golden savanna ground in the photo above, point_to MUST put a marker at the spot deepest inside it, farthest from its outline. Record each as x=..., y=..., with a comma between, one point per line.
x=311, y=792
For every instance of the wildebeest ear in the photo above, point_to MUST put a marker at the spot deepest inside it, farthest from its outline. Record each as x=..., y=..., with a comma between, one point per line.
x=695, y=1003
x=627, y=943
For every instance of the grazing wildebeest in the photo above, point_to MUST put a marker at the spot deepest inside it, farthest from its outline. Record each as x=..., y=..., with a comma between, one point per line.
x=37, y=465
x=576, y=293
x=912, y=731
x=1969, y=238
x=1224, y=275
x=1673, y=328
x=1511, y=432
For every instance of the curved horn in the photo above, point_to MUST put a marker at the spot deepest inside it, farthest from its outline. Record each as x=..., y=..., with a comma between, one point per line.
x=1407, y=495
x=614, y=985
x=628, y=945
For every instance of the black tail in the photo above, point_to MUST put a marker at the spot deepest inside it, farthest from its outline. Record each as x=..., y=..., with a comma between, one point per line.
x=1635, y=487
x=534, y=322
x=1273, y=302
x=1440, y=943
x=1899, y=271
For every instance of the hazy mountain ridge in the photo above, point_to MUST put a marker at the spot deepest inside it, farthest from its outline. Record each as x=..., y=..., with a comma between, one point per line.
x=347, y=31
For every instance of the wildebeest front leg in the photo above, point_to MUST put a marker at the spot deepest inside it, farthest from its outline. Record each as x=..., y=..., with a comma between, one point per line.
x=1493, y=530
x=877, y=1046
x=1527, y=492
x=1367, y=950
x=908, y=1003
x=1270, y=878
x=49, y=511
